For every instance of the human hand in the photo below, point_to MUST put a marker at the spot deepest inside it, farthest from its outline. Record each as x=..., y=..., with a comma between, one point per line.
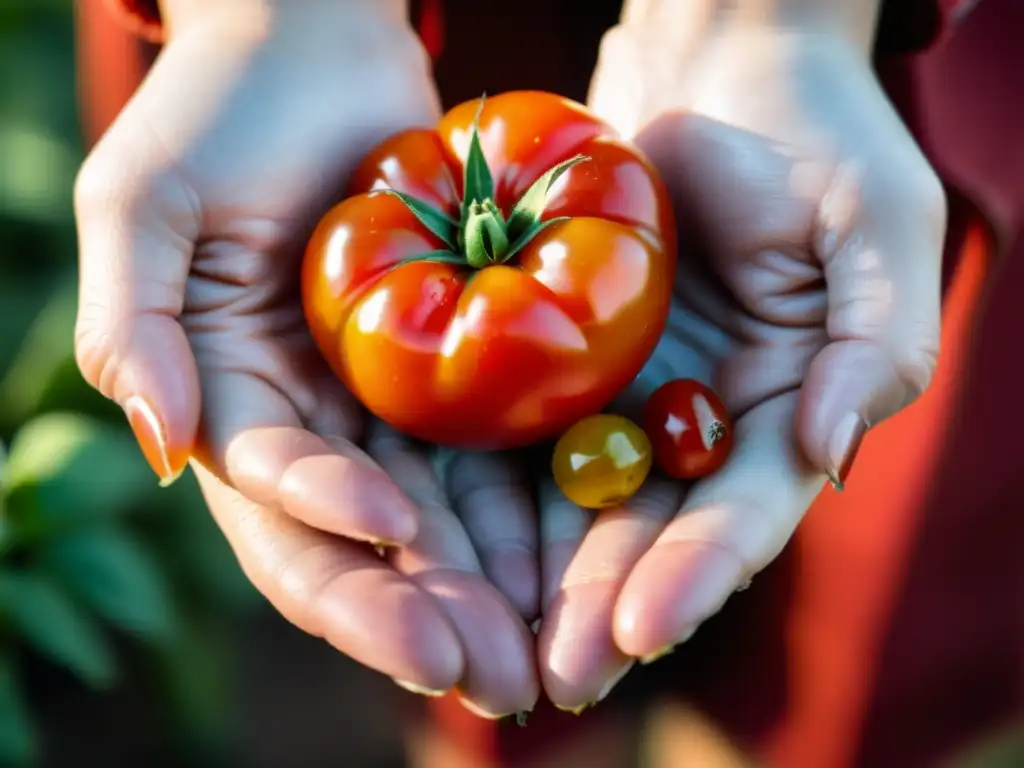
x=192, y=211
x=813, y=310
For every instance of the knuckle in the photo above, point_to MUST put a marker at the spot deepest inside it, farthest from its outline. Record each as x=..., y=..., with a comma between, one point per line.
x=919, y=184
x=302, y=584
x=916, y=366
x=617, y=52
x=622, y=42
x=98, y=185
x=612, y=43
x=122, y=180
x=292, y=567
x=932, y=194
x=97, y=349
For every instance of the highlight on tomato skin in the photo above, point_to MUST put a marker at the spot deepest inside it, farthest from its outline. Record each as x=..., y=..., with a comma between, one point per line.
x=601, y=461
x=689, y=427
x=492, y=281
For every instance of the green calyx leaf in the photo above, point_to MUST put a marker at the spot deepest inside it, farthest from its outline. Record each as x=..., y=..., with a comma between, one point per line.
x=527, y=212
x=531, y=233
x=438, y=257
x=437, y=222
x=477, y=182
x=485, y=238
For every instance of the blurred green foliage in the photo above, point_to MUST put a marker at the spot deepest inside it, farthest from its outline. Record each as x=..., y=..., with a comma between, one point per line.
x=96, y=562
x=1005, y=749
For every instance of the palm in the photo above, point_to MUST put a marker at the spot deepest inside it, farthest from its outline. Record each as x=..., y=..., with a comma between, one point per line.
x=751, y=333
x=276, y=456
x=752, y=177
x=750, y=303
x=251, y=181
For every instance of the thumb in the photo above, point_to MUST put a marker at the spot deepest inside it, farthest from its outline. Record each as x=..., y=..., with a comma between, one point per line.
x=136, y=227
x=880, y=242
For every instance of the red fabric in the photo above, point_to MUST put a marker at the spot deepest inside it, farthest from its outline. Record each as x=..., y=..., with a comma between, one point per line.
x=906, y=25
x=112, y=60
x=431, y=27
x=141, y=17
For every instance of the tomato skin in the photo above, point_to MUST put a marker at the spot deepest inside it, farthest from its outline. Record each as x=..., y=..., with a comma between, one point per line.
x=689, y=428
x=601, y=461
x=510, y=354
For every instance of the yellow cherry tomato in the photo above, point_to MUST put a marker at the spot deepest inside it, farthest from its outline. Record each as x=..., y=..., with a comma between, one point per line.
x=601, y=461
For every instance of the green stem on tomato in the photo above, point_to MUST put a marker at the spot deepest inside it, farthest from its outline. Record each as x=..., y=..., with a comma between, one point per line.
x=483, y=236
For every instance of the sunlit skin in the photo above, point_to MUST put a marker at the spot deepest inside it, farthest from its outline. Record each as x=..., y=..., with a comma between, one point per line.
x=689, y=428
x=601, y=461
x=512, y=353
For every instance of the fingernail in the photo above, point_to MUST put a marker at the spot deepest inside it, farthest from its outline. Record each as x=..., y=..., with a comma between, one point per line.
x=380, y=546
x=576, y=710
x=667, y=649
x=661, y=653
x=615, y=680
x=521, y=718
x=843, y=446
x=419, y=690
x=152, y=439
x=479, y=711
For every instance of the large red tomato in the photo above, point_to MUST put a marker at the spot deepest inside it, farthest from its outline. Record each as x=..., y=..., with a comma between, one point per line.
x=493, y=281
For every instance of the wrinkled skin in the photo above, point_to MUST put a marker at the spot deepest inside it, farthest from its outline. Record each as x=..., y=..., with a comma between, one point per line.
x=193, y=211
x=816, y=294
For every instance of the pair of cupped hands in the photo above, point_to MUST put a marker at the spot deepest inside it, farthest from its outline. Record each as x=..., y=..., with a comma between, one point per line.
x=812, y=306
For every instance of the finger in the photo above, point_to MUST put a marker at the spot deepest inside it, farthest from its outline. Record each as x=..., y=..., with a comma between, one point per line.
x=256, y=437
x=499, y=675
x=731, y=525
x=489, y=494
x=339, y=590
x=562, y=528
x=577, y=656
x=137, y=222
x=880, y=240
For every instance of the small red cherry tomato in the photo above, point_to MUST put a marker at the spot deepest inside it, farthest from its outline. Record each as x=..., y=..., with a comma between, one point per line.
x=689, y=428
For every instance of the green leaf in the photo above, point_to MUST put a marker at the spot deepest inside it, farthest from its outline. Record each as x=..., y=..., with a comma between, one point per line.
x=196, y=675
x=64, y=468
x=19, y=743
x=47, y=618
x=1004, y=749
x=484, y=236
x=21, y=297
x=440, y=257
x=526, y=213
x=477, y=183
x=434, y=220
x=4, y=521
x=45, y=351
x=116, y=577
x=531, y=233
x=195, y=555
x=39, y=167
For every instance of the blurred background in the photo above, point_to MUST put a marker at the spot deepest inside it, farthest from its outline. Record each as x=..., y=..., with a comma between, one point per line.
x=128, y=635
